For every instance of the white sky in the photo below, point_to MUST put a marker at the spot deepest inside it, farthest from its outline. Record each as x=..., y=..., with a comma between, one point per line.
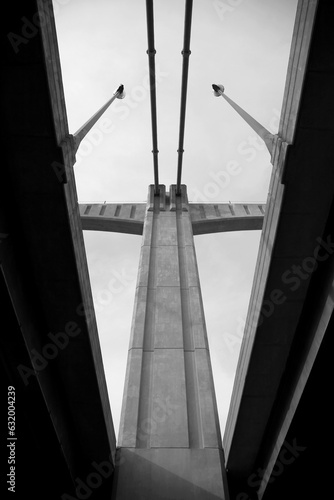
x=243, y=44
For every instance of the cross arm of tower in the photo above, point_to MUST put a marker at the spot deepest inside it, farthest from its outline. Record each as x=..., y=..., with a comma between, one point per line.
x=222, y=217
x=113, y=217
x=206, y=218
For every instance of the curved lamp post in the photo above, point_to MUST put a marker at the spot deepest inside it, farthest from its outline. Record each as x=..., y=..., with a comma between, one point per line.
x=219, y=90
x=83, y=131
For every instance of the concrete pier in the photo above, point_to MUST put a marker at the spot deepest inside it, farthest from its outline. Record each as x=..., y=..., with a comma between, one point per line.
x=170, y=443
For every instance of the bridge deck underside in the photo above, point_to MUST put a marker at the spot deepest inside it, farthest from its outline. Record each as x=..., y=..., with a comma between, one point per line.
x=291, y=300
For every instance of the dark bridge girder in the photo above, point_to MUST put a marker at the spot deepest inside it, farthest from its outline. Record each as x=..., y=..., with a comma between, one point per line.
x=279, y=421
x=50, y=350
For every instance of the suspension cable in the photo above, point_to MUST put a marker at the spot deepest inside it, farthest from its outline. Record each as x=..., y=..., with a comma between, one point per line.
x=185, y=53
x=151, y=59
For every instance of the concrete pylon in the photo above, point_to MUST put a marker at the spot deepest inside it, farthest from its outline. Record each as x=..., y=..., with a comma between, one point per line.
x=169, y=439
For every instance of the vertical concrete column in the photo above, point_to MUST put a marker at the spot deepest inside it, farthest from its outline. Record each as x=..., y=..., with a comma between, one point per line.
x=170, y=444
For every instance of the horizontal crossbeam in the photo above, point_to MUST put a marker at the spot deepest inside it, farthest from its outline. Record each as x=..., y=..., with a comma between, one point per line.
x=223, y=217
x=205, y=218
x=116, y=218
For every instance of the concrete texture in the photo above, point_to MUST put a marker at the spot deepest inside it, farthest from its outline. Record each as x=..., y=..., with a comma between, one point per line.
x=119, y=218
x=174, y=473
x=209, y=218
x=169, y=431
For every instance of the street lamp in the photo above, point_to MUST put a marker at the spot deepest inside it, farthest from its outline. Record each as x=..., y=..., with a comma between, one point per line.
x=268, y=138
x=119, y=93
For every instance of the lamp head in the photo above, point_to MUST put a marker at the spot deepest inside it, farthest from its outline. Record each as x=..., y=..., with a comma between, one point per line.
x=217, y=89
x=120, y=91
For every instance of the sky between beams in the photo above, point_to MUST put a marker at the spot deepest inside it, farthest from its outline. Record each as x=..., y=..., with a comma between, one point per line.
x=243, y=44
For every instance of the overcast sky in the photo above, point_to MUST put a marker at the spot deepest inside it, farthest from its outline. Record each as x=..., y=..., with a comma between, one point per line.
x=243, y=44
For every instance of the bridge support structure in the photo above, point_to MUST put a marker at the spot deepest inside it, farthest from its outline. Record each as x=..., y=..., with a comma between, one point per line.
x=170, y=443
x=169, y=439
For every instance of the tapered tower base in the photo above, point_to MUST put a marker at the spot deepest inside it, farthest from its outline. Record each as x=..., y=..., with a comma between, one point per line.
x=169, y=438
x=170, y=473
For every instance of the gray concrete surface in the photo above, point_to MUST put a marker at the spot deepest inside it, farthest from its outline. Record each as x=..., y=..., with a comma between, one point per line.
x=169, y=431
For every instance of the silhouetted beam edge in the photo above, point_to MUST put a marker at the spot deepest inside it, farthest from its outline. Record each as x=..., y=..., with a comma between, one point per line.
x=225, y=224
x=113, y=225
x=185, y=53
x=151, y=59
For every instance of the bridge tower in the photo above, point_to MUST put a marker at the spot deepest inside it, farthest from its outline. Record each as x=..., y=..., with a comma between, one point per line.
x=169, y=439
x=170, y=443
